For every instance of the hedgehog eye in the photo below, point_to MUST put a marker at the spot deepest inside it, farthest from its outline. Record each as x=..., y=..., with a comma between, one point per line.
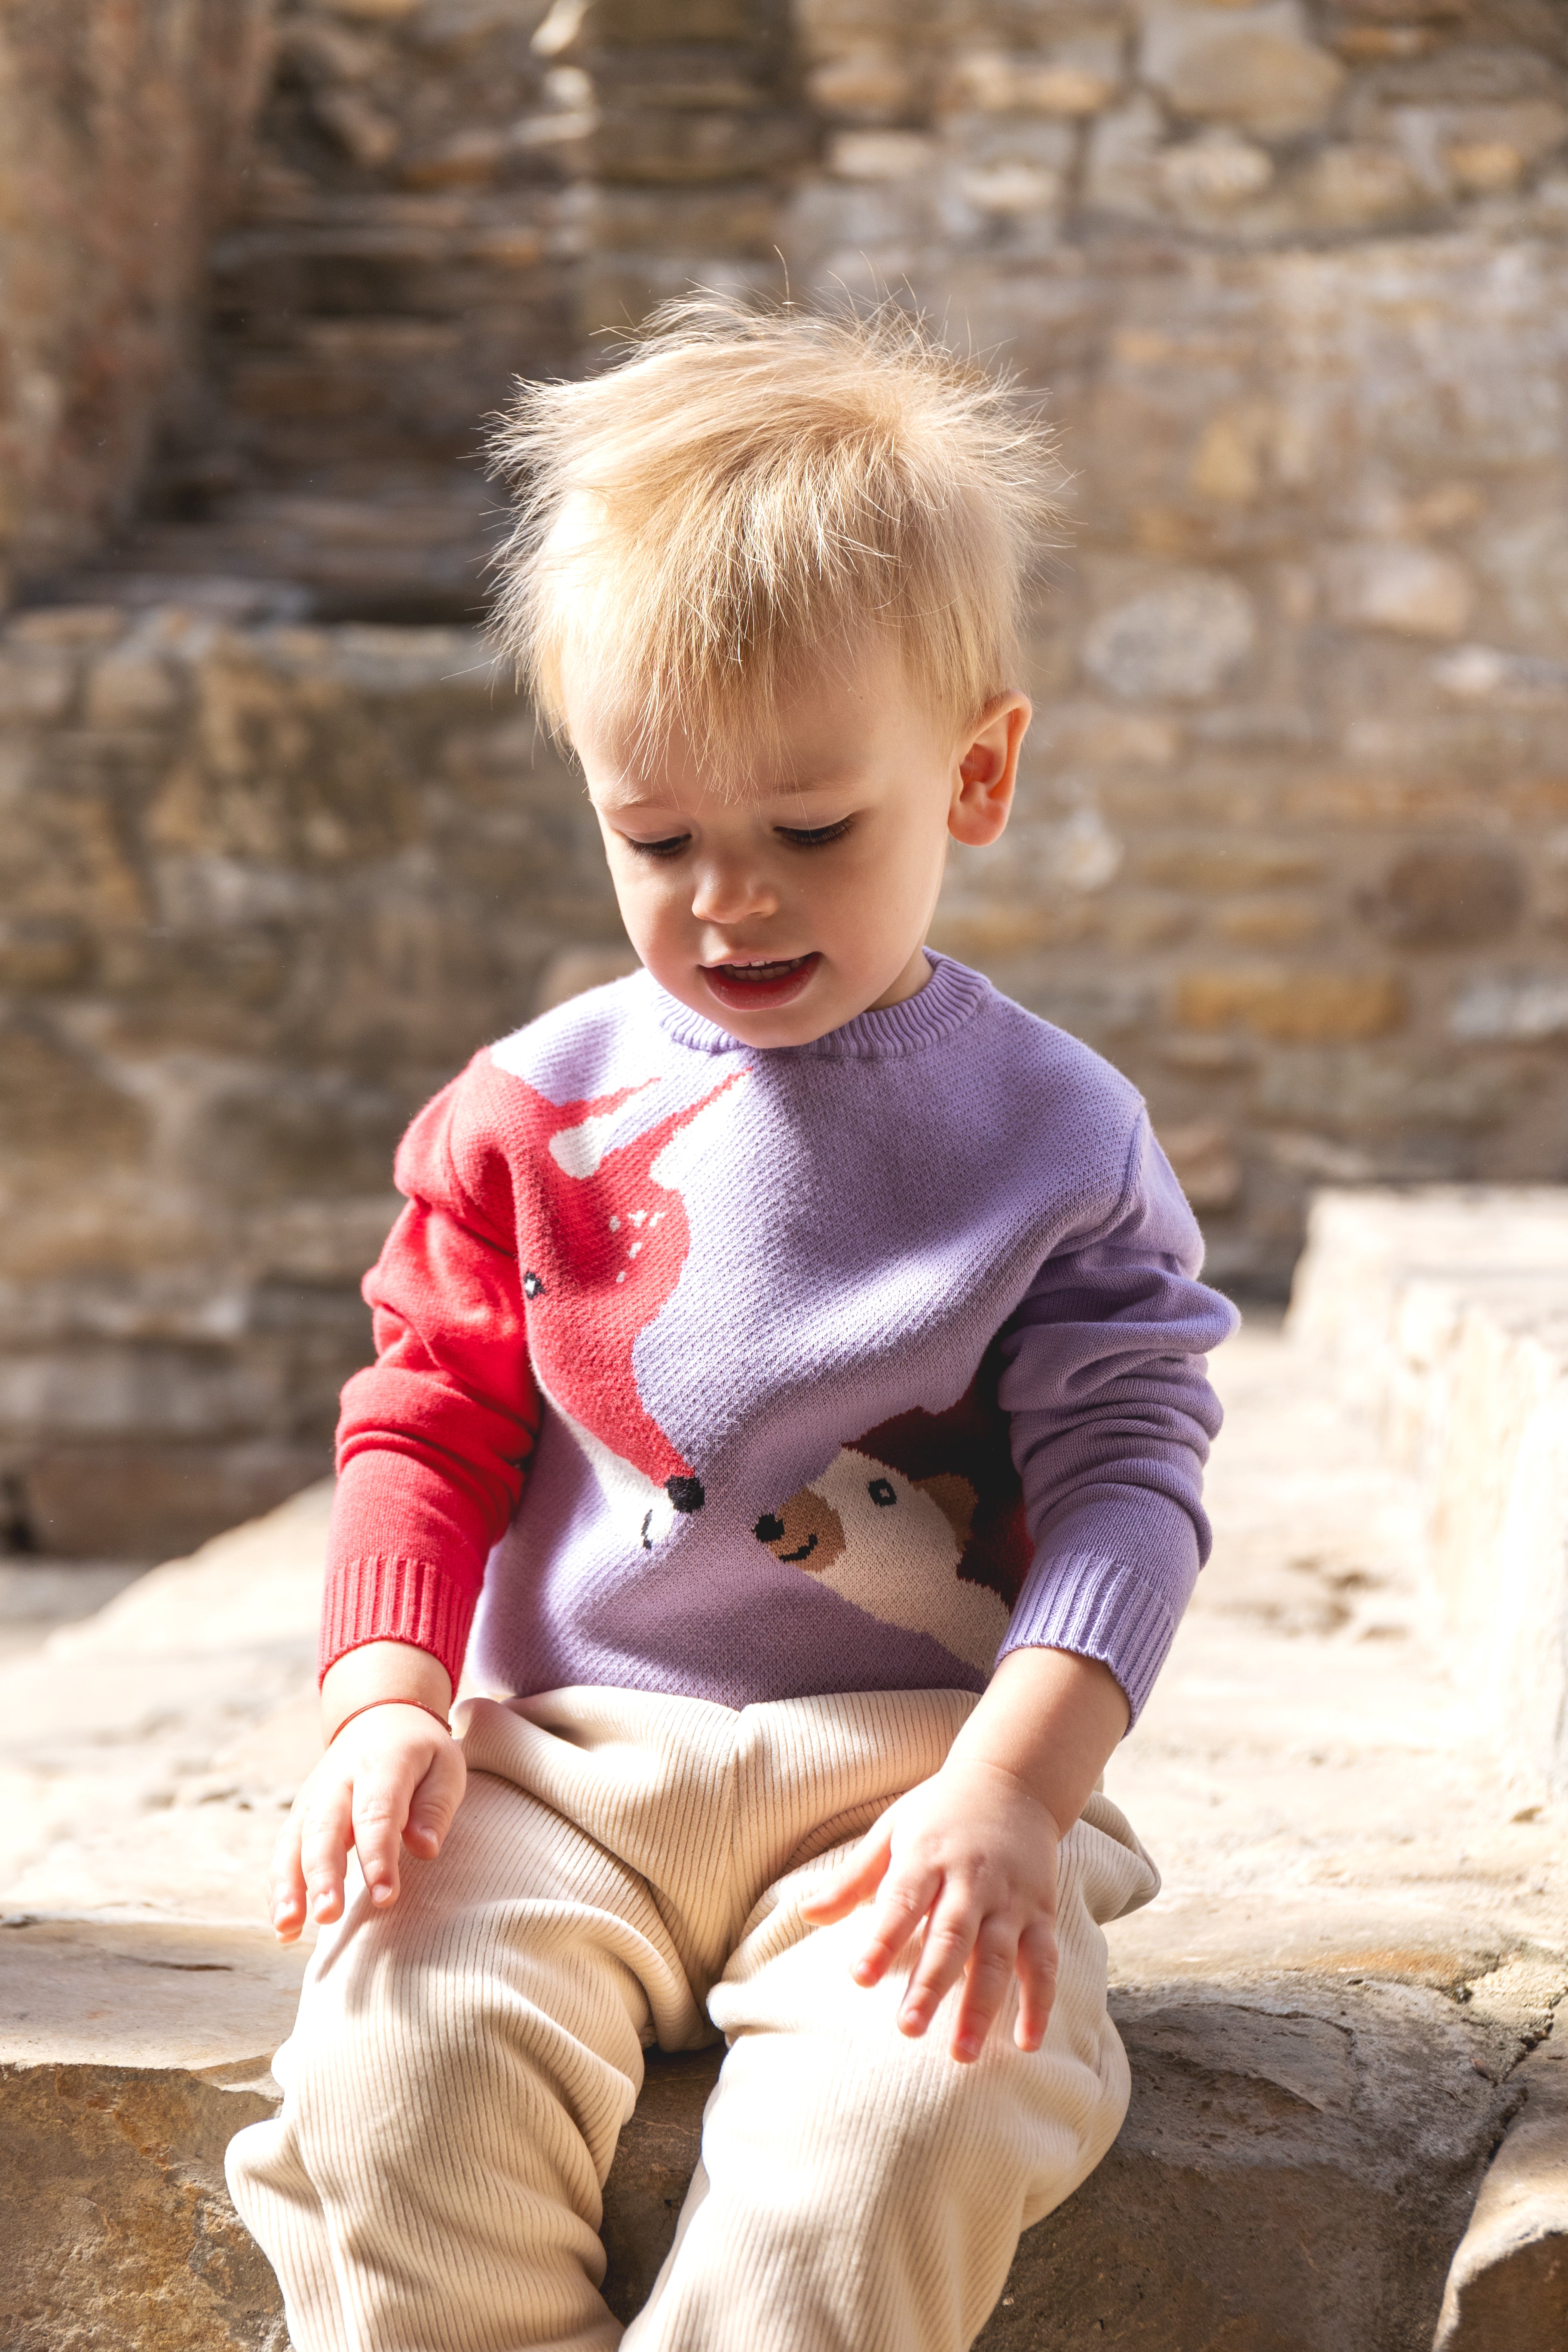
x=881, y=1492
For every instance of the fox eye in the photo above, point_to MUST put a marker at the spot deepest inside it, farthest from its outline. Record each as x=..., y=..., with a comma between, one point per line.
x=531, y=1285
x=881, y=1492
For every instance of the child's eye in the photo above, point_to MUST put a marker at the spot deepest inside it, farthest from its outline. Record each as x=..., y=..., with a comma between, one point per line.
x=670, y=848
x=814, y=836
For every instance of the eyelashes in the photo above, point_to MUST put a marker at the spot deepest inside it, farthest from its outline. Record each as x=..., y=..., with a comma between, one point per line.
x=662, y=849
x=797, y=837
x=817, y=837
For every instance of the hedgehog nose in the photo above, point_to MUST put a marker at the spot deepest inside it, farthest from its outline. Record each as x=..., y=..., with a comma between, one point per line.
x=768, y=1529
x=685, y=1493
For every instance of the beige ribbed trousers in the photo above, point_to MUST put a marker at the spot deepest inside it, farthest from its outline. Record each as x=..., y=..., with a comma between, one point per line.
x=463, y=2063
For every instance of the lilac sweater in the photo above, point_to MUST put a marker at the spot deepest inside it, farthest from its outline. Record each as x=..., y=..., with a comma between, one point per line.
x=750, y=1374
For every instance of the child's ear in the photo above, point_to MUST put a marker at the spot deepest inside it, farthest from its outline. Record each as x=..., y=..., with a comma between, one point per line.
x=985, y=772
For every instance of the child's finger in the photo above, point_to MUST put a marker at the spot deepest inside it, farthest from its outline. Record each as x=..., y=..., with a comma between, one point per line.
x=286, y=1883
x=950, y=1938
x=325, y=1836
x=1036, y=1984
x=987, y=1980
x=435, y=1800
x=901, y=1905
x=381, y=1798
x=854, y=1882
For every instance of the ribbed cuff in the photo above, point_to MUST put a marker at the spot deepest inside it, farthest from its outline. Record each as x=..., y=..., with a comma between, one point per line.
x=1100, y=1608
x=380, y=1599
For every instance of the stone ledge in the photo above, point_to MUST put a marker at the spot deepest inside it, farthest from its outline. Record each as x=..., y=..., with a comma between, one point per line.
x=1508, y=2283
x=1446, y=1317
x=131, y=2054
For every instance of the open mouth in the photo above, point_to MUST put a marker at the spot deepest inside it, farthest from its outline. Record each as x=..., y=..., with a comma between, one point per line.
x=747, y=986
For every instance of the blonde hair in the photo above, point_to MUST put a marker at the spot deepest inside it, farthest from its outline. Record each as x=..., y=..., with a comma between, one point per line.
x=751, y=495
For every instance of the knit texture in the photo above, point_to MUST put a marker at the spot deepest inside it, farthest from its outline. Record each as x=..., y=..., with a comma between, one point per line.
x=841, y=1367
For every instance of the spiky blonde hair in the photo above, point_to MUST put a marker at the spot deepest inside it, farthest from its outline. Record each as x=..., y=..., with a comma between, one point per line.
x=750, y=496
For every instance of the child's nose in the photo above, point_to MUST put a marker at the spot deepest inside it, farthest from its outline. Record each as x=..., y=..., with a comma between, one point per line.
x=733, y=894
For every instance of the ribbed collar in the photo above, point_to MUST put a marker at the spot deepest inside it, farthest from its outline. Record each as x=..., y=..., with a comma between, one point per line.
x=952, y=996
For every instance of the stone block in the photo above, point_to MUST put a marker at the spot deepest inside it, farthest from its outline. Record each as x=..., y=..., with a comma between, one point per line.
x=1204, y=1156
x=129, y=2055
x=1252, y=67
x=1218, y=169
x=1290, y=1006
x=123, y=135
x=1448, y=1319
x=1509, y=2281
x=1256, y=2122
x=1269, y=922
x=1414, y=592
x=1178, y=642
x=1226, y=864
x=572, y=969
x=67, y=625
x=1072, y=77
x=1362, y=186
x=636, y=23
x=41, y=954
x=1119, y=166
x=35, y=684
x=103, y=1499
x=876, y=156
x=1456, y=896
x=130, y=688
x=1383, y=1092
x=871, y=82
x=1281, y=2105
x=677, y=146
x=1519, y=1007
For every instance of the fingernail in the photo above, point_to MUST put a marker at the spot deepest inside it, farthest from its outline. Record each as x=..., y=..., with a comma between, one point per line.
x=379, y=1894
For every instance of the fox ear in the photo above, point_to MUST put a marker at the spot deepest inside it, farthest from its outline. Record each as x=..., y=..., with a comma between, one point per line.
x=955, y=1498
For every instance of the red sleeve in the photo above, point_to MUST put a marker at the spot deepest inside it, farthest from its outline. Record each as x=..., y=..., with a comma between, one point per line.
x=433, y=1437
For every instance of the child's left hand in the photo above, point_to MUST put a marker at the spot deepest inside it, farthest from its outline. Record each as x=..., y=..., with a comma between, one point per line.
x=973, y=1853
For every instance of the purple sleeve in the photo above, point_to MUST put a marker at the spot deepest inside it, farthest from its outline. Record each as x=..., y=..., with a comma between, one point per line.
x=1111, y=1419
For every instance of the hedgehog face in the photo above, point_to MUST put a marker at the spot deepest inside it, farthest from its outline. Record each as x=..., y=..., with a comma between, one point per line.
x=891, y=1545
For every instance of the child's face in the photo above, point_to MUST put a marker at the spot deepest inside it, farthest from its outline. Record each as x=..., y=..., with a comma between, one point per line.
x=782, y=898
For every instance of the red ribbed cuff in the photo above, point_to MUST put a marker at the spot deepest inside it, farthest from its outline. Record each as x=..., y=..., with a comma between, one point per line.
x=380, y=1599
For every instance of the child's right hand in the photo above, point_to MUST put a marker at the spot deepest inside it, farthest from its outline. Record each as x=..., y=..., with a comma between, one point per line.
x=392, y=1777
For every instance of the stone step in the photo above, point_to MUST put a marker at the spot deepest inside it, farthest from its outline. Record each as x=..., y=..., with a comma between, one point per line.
x=1330, y=2009
x=129, y=2053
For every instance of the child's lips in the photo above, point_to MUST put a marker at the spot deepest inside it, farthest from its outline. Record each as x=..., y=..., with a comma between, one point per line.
x=749, y=987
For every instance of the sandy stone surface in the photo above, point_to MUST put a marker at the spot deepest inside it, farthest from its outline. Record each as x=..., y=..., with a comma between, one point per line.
x=148, y=1753
x=1310, y=1780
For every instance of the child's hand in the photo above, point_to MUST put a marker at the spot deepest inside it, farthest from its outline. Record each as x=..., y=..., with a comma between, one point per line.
x=394, y=1776
x=973, y=1853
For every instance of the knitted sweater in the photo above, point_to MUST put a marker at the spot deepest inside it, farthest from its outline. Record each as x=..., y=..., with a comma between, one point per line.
x=747, y=1373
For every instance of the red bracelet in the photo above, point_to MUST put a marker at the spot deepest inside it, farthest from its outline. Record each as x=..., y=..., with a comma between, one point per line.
x=392, y=1702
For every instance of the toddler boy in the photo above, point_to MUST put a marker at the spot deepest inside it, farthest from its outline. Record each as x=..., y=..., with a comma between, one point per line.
x=793, y=1354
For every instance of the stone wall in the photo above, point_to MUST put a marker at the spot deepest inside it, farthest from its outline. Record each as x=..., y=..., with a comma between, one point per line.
x=1292, y=846
x=276, y=884
x=122, y=134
